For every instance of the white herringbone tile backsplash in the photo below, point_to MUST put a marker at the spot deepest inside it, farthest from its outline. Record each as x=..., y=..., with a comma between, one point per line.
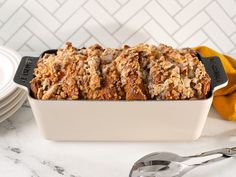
x=36, y=25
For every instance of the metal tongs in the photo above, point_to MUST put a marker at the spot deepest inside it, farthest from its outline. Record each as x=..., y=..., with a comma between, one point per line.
x=166, y=164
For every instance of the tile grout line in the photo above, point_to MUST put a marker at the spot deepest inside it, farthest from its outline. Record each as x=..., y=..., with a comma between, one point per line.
x=196, y=31
x=82, y=26
x=129, y=20
x=125, y=22
x=203, y=10
x=16, y=10
x=231, y=18
x=51, y=32
x=212, y=40
x=162, y=28
x=40, y=4
x=70, y=14
x=121, y=6
x=118, y=2
x=20, y=27
x=227, y=36
x=82, y=43
x=202, y=43
x=108, y=12
x=91, y=36
x=193, y=35
x=227, y=16
x=52, y=13
x=37, y=37
x=150, y=38
x=62, y=23
x=138, y=30
x=25, y=41
x=172, y=16
x=101, y=26
x=29, y=47
x=181, y=6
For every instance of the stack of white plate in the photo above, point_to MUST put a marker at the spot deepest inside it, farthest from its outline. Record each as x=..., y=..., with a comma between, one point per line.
x=11, y=97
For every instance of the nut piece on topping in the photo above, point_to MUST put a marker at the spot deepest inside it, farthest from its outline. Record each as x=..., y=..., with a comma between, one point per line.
x=141, y=72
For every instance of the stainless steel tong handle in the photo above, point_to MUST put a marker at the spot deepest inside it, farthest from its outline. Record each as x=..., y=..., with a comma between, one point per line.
x=227, y=152
x=175, y=167
x=162, y=168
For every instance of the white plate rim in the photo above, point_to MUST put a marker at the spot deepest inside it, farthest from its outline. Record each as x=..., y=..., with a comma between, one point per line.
x=9, y=84
x=11, y=97
x=15, y=59
x=13, y=110
x=12, y=104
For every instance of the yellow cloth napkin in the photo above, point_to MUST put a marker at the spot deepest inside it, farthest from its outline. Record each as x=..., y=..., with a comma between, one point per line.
x=224, y=99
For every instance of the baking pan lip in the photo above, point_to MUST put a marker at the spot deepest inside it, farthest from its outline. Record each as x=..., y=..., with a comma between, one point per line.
x=124, y=101
x=26, y=85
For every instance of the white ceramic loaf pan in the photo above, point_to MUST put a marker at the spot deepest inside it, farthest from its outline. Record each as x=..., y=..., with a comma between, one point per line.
x=84, y=120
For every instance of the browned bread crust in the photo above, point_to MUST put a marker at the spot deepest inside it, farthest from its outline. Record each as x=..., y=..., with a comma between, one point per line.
x=141, y=72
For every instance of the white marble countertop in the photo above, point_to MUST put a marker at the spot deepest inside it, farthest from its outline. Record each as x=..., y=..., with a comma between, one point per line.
x=24, y=153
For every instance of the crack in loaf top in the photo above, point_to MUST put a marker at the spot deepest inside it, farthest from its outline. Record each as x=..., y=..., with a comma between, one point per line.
x=140, y=72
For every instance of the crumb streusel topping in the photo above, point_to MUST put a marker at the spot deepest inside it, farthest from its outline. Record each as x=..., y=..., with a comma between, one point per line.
x=141, y=72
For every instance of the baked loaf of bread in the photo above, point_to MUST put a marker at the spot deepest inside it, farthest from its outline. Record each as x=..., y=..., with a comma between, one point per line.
x=141, y=72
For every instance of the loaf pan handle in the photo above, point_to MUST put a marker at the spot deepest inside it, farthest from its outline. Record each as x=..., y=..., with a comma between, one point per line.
x=216, y=71
x=24, y=73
